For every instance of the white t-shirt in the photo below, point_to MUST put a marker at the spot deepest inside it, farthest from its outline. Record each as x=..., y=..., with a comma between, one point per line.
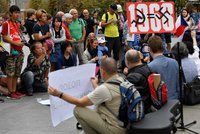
x=195, y=58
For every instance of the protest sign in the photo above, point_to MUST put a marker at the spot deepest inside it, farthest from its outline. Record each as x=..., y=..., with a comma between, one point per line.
x=74, y=81
x=151, y=17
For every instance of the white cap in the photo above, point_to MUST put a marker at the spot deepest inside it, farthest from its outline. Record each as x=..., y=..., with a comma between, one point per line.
x=67, y=15
x=119, y=8
x=101, y=40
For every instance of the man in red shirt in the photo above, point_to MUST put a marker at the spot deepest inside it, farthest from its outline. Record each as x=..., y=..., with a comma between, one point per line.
x=11, y=34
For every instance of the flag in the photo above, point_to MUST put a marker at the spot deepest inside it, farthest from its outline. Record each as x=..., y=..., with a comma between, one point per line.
x=181, y=25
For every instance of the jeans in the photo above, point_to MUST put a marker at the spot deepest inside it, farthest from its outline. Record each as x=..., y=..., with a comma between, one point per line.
x=31, y=85
x=56, y=56
x=78, y=49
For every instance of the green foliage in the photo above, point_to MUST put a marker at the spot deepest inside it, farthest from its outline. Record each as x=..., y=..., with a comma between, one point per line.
x=53, y=6
x=4, y=5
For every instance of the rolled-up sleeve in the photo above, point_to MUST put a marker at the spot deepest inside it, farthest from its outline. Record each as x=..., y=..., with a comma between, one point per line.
x=99, y=95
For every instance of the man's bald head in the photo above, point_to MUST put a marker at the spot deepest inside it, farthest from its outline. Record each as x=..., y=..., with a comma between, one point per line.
x=109, y=65
x=133, y=56
x=86, y=13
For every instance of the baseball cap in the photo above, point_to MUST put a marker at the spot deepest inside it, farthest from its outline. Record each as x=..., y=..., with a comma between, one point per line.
x=119, y=8
x=101, y=40
x=113, y=6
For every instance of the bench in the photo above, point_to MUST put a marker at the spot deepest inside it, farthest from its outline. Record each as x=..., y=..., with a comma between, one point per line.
x=159, y=122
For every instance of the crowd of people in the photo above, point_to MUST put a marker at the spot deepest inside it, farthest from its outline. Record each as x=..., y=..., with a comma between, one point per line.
x=68, y=39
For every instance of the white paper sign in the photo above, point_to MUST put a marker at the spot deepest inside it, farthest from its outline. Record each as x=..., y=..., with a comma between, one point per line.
x=74, y=81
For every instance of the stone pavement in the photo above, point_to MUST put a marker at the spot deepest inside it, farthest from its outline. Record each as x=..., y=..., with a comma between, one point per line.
x=26, y=116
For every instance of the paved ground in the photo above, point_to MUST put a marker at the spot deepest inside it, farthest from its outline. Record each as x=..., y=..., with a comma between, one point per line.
x=26, y=116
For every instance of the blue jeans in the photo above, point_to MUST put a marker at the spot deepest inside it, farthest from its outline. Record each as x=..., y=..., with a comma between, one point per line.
x=30, y=85
x=56, y=56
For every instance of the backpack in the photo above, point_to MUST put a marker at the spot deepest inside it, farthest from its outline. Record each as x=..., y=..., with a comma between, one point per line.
x=159, y=95
x=132, y=107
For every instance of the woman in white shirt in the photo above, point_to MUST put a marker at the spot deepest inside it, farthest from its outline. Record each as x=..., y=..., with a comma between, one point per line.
x=58, y=37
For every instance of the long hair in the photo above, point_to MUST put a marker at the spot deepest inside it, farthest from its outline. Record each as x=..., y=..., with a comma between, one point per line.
x=59, y=19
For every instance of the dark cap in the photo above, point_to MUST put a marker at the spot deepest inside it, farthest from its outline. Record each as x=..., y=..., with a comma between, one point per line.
x=113, y=6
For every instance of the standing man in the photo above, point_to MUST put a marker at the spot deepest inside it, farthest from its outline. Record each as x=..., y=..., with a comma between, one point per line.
x=29, y=23
x=11, y=34
x=110, y=22
x=78, y=32
x=90, y=25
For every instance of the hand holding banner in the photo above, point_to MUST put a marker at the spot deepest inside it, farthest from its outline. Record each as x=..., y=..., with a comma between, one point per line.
x=74, y=81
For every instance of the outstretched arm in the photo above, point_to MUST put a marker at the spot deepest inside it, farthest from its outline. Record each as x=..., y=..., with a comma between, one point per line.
x=84, y=101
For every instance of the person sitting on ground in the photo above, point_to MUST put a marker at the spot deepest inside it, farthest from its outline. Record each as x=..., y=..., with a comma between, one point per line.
x=35, y=75
x=102, y=49
x=166, y=67
x=188, y=65
x=105, y=95
x=193, y=50
x=69, y=59
x=3, y=84
x=138, y=75
x=90, y=54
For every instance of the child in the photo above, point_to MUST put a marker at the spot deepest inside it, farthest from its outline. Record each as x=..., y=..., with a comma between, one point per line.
x=102, y=49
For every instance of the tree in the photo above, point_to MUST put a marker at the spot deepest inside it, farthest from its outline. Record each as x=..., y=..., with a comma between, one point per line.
x=4, y=6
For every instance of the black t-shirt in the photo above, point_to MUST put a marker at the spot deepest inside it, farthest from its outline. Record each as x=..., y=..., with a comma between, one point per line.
x=89, y=26
x=43, y=29
x=29, y=24
x=69, y=62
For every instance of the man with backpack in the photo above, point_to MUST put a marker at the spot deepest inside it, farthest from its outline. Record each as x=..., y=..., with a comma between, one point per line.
x=106, y=97
x=168, y=68
x=110, y=21
x=138, y=75
x=78, y=33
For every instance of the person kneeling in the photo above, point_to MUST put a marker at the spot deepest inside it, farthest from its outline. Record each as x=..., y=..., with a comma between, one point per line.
x=100, y=120
x=35, y=75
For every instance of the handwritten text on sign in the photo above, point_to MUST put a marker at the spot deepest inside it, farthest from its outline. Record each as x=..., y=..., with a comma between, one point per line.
x=148, y=17
x=74, y=81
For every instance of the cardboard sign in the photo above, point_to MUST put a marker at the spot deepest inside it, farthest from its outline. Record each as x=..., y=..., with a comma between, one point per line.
x=151, y=17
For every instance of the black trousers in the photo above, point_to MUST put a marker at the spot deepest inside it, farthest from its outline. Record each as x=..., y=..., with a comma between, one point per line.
x=113, y=44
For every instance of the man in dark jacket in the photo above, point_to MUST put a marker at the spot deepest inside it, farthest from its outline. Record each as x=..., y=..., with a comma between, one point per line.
x=138, y=75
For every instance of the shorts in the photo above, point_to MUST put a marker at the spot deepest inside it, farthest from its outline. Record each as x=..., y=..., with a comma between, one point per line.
x=14, y=65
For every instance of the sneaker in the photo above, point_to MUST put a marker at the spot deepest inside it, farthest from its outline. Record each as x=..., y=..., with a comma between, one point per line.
x=14, y=96
x=19, y=94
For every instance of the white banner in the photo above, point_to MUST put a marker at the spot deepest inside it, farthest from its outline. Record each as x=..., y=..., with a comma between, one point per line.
x=74, y=81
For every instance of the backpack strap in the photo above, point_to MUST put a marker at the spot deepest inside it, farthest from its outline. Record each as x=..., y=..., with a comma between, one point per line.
x=106, y=17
